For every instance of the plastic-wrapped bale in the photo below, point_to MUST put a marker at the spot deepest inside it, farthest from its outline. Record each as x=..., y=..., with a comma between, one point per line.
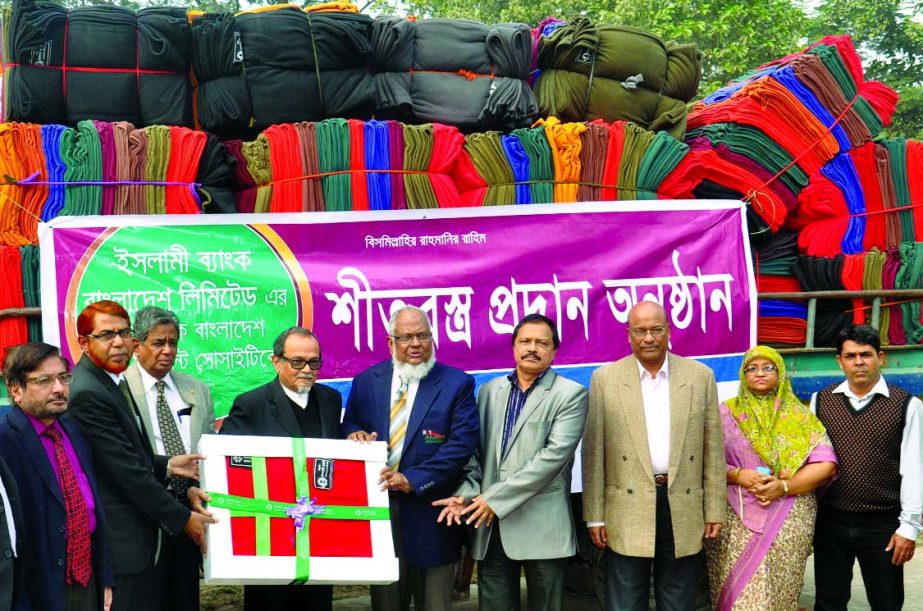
x=283, y=65
x=97, y=62
x=453, y=71
x=615, y=73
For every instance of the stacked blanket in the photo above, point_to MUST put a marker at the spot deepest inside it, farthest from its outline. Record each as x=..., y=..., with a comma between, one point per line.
x=610, y=72
x=463, y=73
x=96, y=62
x=779, y=322
x=341, y=164
x=106, y=168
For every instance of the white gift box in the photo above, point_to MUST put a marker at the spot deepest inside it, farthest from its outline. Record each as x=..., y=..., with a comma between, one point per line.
x=222, y=566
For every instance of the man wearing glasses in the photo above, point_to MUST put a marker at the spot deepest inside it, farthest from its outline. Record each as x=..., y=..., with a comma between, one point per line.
x=132, y=479
x=427, y=413
x=176, y=410
x=65, y=555
x=653, y=467
x=291, y=405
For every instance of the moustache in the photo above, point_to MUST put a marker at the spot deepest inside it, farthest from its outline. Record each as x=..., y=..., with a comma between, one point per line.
x=56, y=397
x=532, y=355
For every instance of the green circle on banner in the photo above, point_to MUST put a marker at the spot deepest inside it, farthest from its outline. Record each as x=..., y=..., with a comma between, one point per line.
x=231, y=290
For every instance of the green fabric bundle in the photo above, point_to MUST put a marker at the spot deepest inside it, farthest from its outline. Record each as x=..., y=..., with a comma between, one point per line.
x=541, y=167
x=418, y=150
x=661, y=157
x=486, y=150
x=31, y=289
x=158, y=158
x=82, y=156
x=333, y=154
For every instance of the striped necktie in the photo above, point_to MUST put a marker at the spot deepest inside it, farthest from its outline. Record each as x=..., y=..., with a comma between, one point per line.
x=172, y=440
x=398, y=428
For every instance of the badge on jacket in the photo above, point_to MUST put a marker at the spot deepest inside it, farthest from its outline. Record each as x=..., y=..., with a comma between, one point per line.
x=431, y=436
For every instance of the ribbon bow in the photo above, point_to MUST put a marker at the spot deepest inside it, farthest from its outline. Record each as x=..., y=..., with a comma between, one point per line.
x=301, y=510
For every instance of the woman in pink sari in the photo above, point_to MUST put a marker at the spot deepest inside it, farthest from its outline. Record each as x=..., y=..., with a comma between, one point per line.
x=777, y=454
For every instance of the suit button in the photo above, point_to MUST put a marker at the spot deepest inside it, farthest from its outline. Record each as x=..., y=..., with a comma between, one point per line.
x=61, y=528
x=630, y=491
x=60, y=561
x=624, y=457
x=692, y=458
x=688, y=490
x=7, y=553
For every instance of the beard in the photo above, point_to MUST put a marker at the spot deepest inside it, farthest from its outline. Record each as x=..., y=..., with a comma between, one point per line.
x=413, y=373
x=111, y=367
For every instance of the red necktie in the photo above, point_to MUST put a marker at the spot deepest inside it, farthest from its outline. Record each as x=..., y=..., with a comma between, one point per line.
x=78, y=522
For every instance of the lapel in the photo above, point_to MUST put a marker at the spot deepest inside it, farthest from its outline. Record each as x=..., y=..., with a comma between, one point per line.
x=280, y=409
x=426, y=397
x=189, y=393
x=381, y=395
x=133, y=378
x=129, y=410
x=34, y=449
x=629, y=383
x=499, y=401
x=679, y=413
x=535, y=399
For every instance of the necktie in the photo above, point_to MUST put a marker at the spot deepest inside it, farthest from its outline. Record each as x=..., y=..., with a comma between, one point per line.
x=78, y=521
x=172, y=441
x=398, y=428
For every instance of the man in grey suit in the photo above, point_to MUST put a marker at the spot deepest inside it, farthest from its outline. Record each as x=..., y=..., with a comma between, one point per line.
x=516, y=488
x=653, y=467
x=176, y=410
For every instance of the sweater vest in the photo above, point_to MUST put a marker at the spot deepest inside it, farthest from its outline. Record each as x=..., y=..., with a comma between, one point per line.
x=868, y=446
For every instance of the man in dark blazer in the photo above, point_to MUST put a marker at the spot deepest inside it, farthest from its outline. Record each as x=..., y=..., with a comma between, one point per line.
x=427, y=413
x=132, y=479
x=174, y=428
x=291, y=405
x=10, y=539
x=65, y=557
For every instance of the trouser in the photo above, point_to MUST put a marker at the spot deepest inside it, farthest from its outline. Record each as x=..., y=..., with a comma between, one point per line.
x=628, y=578
x=82, y=598
x=177, y=571
x=841, y=537
x=430, y=588
x=498, y=580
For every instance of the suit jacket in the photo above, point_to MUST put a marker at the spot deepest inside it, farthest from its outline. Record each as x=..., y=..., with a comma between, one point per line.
x=44, y=555
x=195, y=393
x=132, y=479
x=266, y=411
x=442, y=434
x=11, y=571
x=529, y=487
x=618, y=480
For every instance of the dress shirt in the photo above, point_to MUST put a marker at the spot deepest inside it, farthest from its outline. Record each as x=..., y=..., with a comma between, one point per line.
x=299, y=399
x=655, y=394
x=83, y=483
x=8, y=512
x=176, y=404
x=412, y=389
x=911, y=454
x=514, y=406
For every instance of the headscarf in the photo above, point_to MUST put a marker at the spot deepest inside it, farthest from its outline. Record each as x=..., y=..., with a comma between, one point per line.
x=781, y=429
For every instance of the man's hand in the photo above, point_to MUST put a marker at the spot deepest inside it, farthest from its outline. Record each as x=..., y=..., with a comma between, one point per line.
x=480, y=511
x=195, y=528
x=452, y=509
x=185, y=465
x=107, y=598
x=903, y=549
x=362, y=436
x=598, y=536
x=712, y=530
x=394, y=480
x=197, y=499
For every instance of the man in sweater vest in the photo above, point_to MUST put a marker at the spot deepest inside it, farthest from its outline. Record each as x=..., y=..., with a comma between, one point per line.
x=872, y=511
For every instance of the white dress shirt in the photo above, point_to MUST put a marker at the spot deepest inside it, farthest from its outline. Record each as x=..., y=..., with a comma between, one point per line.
x=174, y=402
x=8, y=511
x=911, y=466
x=655, y=394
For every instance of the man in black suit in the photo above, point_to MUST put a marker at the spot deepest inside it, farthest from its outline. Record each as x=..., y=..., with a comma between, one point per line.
x=66, y=549
x=10, y=538
x=132, y=479
x=292, y=405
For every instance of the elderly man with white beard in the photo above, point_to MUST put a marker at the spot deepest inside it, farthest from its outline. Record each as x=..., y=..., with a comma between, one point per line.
x=427, y=413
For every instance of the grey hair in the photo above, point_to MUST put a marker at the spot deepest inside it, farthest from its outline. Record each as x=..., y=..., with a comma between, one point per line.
x=278, y=346
x=392, y=322
x=150, y=317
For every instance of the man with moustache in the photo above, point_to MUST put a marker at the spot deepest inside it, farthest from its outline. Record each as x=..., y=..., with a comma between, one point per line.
x=132, y=479
x=426, y=412
x=516, y=489
x=65, y=556
x=176, y=410
x=291, y=405
x=871, y=512
x=654, y=481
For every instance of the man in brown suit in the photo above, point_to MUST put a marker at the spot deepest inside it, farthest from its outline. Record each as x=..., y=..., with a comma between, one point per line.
x=653, y=467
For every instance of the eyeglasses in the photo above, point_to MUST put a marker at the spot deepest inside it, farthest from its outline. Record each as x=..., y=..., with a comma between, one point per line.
x=765, y=369
x=48, y=380
x=299, y=363
x=108, y=336
x=423, y=338
x=639, y=333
